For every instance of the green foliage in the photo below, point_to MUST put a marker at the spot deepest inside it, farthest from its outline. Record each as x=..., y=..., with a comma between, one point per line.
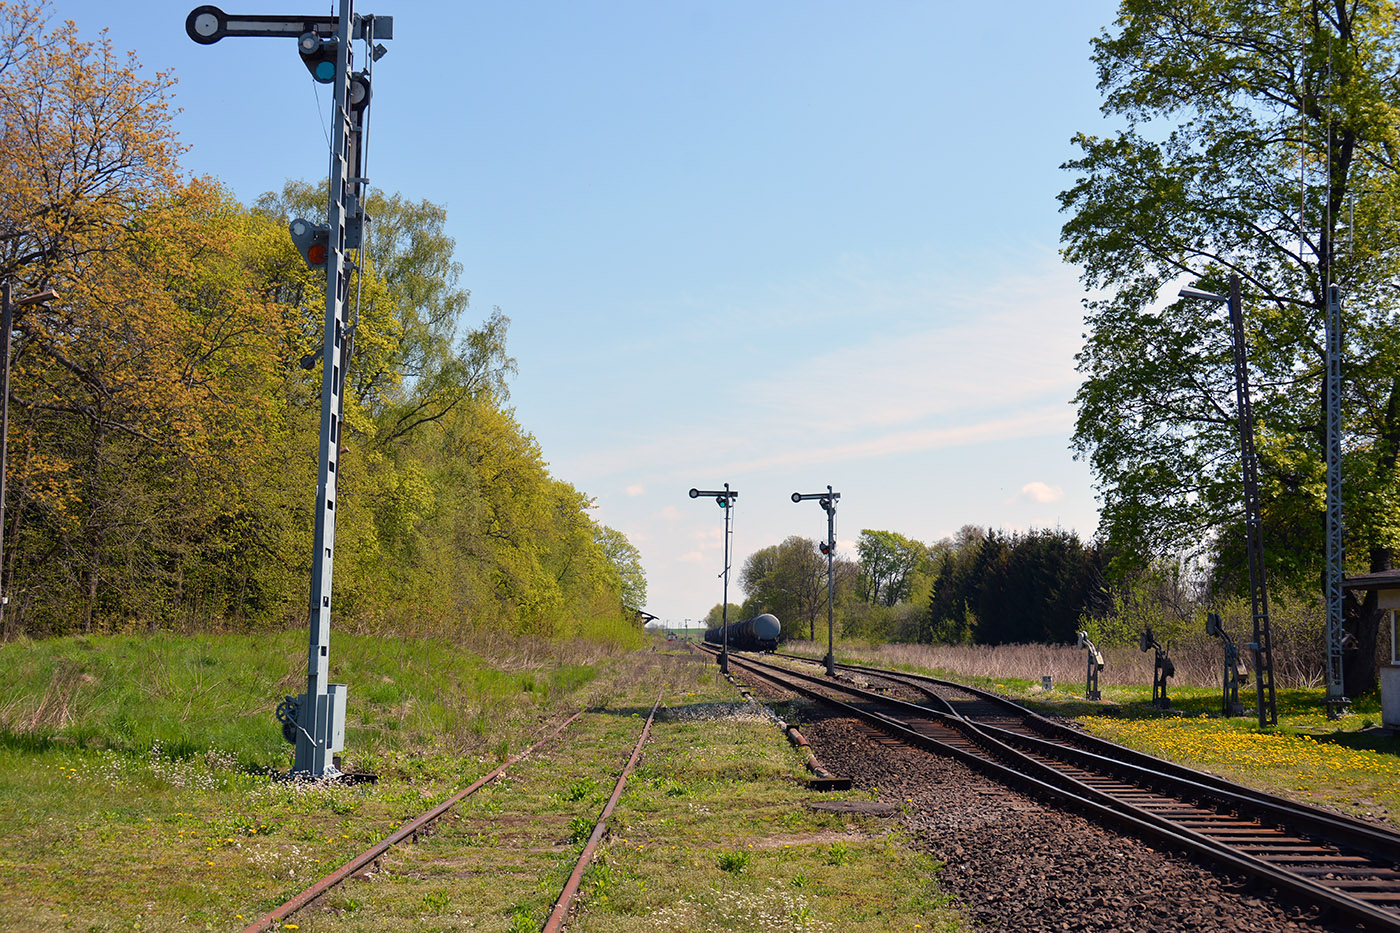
x=580, y=828
x=838, y=853
x=789, y=581
x=1031, y=587
x=733, y=862
x=889, y=563
x=715, y=617
x=1224, y=103
x=580, y=789
x=162, y=451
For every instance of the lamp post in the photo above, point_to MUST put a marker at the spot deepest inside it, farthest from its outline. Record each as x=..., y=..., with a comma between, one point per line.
x=7, y=306
x=725, y=498
x=1253, y=515
x=827, y=500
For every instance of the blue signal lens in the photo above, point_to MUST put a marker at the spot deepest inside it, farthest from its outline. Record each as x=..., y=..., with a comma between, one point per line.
x=325, y=72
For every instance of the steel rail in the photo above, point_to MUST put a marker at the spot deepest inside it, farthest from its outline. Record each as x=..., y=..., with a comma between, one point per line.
x=566, y=897
x=411, y=828
x=1374, y=840
x=1041, y=779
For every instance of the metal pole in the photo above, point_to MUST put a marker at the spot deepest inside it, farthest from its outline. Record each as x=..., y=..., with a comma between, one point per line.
x=724, y=603
x=827, y=500
x=6, y=322
x=1253, y=522
x=313, y=753
x=1336, y=694
x=830, y=583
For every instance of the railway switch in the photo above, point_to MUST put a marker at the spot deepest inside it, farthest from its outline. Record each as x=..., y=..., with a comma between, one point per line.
x=1162, y=668
x=1235, y=675
x=1095, y=664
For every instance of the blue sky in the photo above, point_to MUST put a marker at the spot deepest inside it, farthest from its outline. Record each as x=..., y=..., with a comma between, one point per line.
x=775, y=244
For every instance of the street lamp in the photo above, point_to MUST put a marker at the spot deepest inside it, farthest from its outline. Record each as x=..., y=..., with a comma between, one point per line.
x=725, y=498
x=7, y=306
x=1253, y=514
x=827, y=500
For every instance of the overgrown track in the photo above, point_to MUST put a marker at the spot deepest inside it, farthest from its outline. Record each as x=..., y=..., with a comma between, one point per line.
x=414, y=827
x=409, y=830
x=1314, y=857
x=560, y=912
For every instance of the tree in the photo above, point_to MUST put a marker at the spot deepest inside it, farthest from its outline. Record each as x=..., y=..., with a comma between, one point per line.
x=1245, y=95
x=626, y=563
x=887, y=560
x=412, y=365
x=787, y=580
x=87, y=146
x=715, y=617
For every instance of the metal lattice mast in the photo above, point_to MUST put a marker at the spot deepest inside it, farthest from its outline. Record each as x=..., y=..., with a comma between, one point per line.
x=827, y=500
x=1253, y=523
x=313, y=755
x=1336, y=694
x=314, y=721
x=725, y=499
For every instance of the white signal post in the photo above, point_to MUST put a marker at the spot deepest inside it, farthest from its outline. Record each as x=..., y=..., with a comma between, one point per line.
x=315, y=721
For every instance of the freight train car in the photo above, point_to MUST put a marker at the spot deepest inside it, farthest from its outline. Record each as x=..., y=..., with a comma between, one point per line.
x=757, y=634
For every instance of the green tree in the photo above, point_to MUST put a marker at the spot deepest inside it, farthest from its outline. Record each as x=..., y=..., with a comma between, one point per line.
x=888, y=561
x=715, y=617
x=413, y=364
x=626, y=563
x=788, y=580
x=1224, y=103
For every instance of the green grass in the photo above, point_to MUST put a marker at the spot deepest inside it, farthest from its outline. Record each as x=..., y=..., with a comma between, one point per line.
x=135, y=773
x=136, y=793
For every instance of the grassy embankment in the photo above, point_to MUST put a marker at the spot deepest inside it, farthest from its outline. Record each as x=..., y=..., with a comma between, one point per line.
x=135, y=793
x=1346, y=764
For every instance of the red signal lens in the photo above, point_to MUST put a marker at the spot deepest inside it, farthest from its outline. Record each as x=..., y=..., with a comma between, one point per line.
x=316, y=254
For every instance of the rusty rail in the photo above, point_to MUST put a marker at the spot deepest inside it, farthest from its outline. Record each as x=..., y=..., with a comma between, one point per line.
x=411, y=828
x=566, y=897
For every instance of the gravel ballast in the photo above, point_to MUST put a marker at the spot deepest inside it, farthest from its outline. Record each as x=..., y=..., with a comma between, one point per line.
x=1016, y=864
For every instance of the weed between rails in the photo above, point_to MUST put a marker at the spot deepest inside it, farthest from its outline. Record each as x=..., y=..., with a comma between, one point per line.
x=183, y=834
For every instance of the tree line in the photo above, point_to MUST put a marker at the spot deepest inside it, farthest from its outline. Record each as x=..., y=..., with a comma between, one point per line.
x=981, y=586
x=164, y=409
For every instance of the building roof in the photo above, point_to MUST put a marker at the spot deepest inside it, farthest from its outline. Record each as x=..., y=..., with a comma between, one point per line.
x=1380, y=580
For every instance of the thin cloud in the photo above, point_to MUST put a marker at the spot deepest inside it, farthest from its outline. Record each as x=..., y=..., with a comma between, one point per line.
x=1056, y=420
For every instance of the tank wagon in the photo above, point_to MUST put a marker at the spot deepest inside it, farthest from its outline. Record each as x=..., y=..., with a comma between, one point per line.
x=757, y=634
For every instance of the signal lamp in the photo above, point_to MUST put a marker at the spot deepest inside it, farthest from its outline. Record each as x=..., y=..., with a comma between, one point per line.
x=359, y=90
x=318, y=55
x=311, y=240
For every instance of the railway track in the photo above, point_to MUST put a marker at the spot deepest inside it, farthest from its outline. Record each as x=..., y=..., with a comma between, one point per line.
x=1317, y=858
x=411, y=829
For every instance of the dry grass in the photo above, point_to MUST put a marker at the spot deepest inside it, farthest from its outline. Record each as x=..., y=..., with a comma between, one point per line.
x=1195, y=665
